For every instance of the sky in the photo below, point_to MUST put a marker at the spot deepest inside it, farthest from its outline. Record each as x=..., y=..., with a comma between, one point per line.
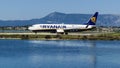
x=32, y=9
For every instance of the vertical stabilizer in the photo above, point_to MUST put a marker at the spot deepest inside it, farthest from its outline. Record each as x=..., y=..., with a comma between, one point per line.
x=92, y=20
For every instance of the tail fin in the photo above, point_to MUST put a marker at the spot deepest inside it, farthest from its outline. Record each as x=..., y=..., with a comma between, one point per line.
x=92, y=20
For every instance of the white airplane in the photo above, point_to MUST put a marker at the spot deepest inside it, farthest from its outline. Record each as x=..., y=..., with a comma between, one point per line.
x=65, y=28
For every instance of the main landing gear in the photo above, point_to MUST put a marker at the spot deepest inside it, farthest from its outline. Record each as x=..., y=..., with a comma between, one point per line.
x=63, y=33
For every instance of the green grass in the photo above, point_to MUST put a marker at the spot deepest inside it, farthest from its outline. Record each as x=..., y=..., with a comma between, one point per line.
x=101, y=36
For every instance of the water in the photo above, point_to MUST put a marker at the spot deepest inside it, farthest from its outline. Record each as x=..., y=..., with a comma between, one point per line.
x=59, y=54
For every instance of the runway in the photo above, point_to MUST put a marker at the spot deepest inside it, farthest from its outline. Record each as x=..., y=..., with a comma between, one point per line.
x=48, y=33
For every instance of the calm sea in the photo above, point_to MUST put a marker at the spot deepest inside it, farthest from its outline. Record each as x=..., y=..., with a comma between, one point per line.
x=59, y=54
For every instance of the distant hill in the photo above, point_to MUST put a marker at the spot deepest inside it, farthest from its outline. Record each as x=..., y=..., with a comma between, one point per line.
x=57, y=17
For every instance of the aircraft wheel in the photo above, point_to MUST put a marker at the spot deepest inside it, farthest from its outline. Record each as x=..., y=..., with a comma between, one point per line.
x=66, y=33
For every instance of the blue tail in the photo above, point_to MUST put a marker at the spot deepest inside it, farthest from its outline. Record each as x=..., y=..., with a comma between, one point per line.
x=92, y=20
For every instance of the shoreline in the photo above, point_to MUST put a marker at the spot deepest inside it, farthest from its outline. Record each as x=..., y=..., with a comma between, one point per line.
x=32, y=36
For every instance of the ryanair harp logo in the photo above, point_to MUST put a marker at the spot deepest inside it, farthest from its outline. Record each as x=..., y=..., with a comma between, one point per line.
x=93, y=19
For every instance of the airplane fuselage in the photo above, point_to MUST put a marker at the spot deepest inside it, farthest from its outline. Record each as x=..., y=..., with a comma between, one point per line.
x=65, y=27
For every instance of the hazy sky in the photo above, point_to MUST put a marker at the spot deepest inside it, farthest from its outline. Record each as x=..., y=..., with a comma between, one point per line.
x=30, y=9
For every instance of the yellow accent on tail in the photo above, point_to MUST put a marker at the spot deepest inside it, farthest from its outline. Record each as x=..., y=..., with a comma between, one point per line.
x=93, y=19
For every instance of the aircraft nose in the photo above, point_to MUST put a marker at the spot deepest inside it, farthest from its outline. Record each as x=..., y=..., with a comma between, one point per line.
x=29, y=28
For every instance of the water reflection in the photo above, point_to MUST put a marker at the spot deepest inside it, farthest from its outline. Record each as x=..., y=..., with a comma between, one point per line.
x=82, y=51
x=71, y=43
x=59, y=54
